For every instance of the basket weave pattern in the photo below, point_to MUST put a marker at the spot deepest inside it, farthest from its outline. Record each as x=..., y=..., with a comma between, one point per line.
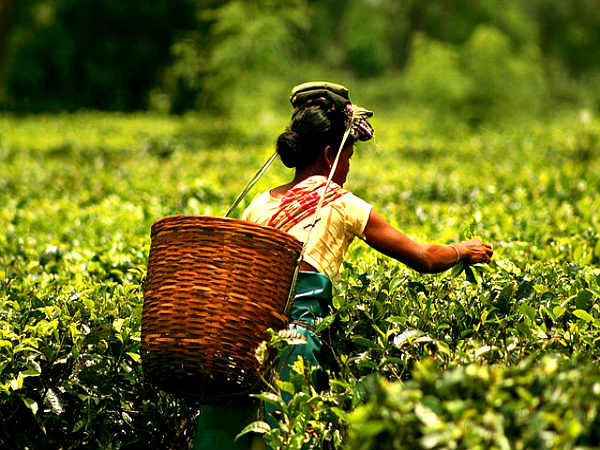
x=213, y=287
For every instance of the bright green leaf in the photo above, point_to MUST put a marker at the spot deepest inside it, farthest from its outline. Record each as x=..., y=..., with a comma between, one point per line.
x=583, y=315
x=255, y=427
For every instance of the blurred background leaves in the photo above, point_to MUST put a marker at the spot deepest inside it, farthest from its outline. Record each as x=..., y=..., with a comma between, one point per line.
x=480, y=59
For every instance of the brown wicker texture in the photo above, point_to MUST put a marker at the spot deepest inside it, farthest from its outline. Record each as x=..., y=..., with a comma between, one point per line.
x=213, y=287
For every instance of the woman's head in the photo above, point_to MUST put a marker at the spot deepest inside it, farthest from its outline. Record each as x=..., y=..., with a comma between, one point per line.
x=312, y=130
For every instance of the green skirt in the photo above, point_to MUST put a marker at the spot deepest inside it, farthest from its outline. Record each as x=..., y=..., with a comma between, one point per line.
x=219, y=424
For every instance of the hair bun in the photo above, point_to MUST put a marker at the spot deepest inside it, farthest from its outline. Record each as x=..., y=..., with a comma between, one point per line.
x=288, y=147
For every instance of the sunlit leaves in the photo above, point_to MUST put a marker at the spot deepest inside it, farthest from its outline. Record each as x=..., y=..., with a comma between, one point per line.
x=470, y=347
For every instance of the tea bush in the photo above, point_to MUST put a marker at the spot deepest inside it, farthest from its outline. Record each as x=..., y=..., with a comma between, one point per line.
x=548, y=404
x=500, y=356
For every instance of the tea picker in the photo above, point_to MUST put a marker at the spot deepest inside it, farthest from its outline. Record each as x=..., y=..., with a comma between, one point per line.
x=215, y=285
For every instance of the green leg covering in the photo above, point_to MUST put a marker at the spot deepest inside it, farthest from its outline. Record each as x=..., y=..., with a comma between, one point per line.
x=309, y=352
x=219, y=425
x=312, y=292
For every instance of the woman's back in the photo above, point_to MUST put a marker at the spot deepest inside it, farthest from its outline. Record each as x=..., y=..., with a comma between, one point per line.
x=343, y=217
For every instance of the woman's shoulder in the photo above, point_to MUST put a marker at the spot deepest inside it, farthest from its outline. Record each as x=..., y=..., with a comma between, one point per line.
x=354, y=200
x=259, y=204
x=356, y=212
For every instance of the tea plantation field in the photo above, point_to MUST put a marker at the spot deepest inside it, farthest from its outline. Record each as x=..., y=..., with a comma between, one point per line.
x=504, y=357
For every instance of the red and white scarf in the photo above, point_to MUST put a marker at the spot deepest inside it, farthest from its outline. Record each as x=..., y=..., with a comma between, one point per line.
x=301, y=201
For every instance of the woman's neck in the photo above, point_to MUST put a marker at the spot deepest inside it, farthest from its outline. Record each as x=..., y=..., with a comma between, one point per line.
x=303, y=174
x=299, y=176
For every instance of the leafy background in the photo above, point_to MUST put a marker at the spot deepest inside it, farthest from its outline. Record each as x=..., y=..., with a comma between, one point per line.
x=487, y=125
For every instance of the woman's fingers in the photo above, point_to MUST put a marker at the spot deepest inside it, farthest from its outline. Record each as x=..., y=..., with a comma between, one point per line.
x=478, y=251
x=488, y=253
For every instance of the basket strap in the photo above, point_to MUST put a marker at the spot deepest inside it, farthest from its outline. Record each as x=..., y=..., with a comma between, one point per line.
x=251, y=183
x=289, y=301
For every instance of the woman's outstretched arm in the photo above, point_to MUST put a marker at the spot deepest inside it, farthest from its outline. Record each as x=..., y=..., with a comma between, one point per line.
x=428, y=258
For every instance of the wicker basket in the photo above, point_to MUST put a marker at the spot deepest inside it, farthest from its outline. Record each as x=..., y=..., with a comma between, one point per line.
x=213, y=287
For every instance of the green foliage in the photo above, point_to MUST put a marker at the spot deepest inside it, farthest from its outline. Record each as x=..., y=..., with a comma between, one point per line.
x=249, y=40
x=485, y=78
x=434, y=73
x=365, y=54
x=569, y=32
x=68, y=54
x=502, y=78
x=422, y=361
x=549, y=404
x=71, y=374
x=177, y=56
x=307, y=419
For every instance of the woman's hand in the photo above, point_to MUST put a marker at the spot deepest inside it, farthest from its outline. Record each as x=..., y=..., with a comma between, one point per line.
x=474, y=251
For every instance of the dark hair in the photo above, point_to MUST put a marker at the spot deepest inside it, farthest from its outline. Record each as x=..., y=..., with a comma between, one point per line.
x=311, y=130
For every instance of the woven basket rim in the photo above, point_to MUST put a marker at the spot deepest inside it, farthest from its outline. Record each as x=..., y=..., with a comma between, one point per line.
x=199, y=220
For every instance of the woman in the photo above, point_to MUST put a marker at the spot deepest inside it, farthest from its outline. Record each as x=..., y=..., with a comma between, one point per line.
x=323, y=117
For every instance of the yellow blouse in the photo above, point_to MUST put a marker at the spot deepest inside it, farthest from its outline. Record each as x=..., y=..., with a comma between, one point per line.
x=340, y=222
